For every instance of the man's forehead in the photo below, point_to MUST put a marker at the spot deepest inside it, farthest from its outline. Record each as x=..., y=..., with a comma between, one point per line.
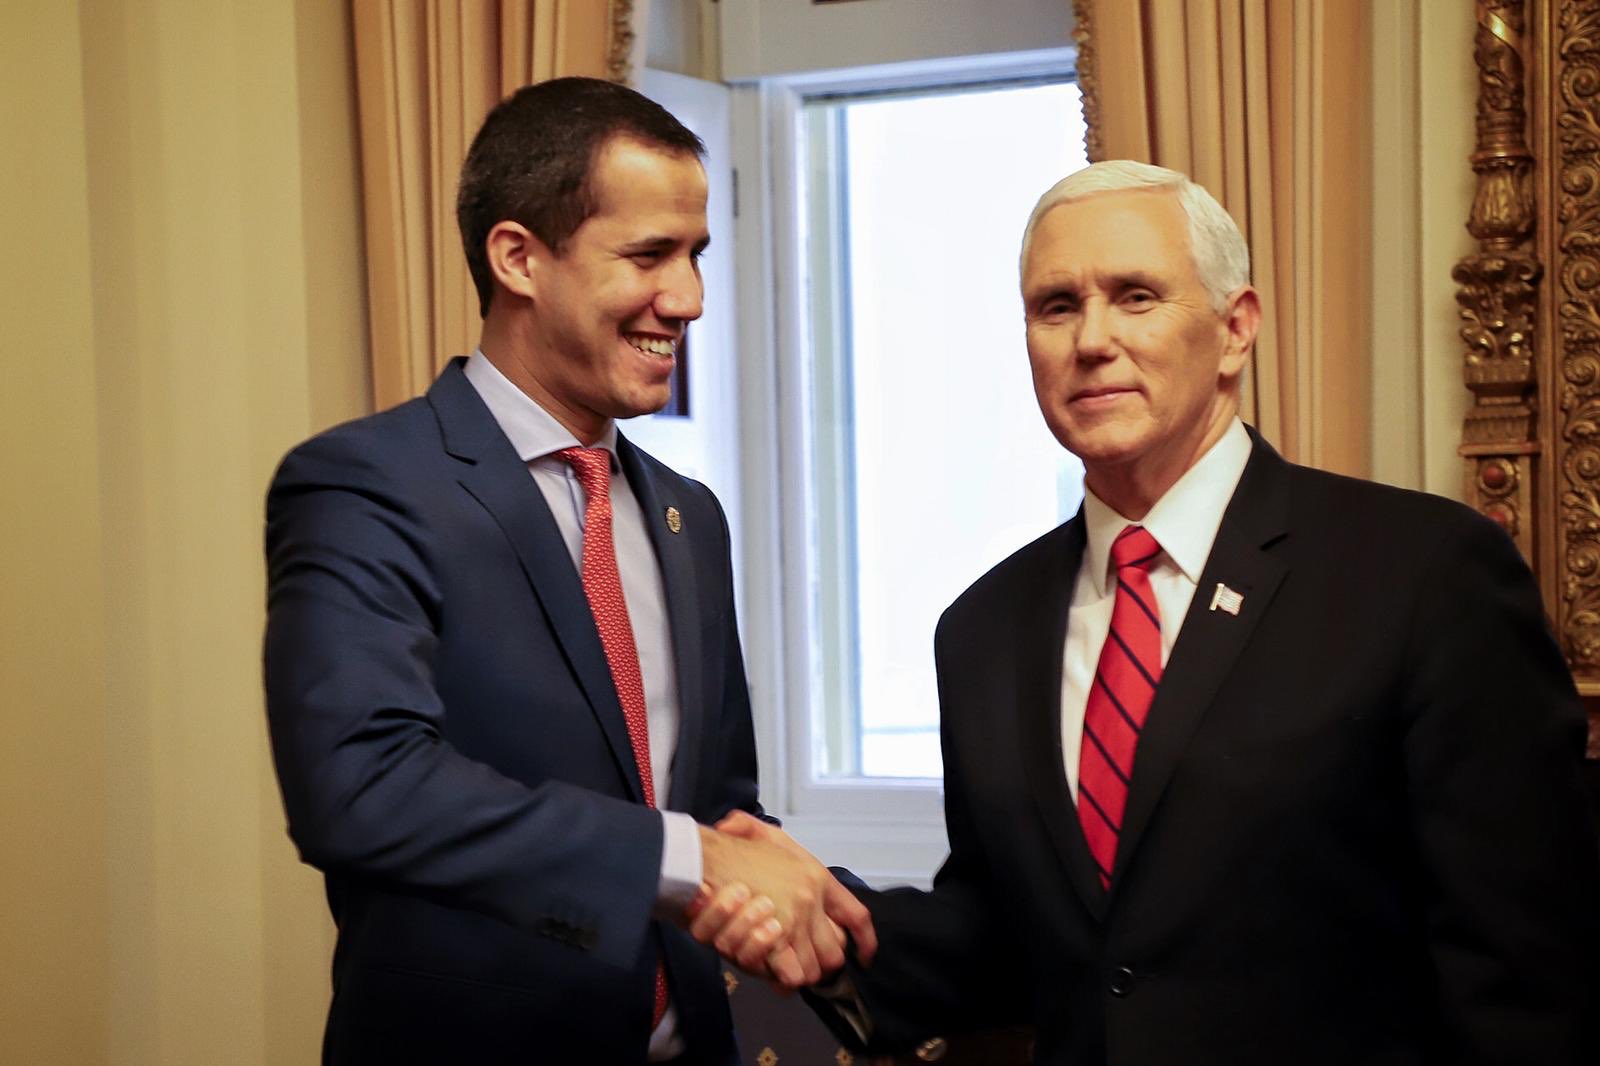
x=636, y=184
x=1138, y=210
x=1126, y=231
x=624, y=154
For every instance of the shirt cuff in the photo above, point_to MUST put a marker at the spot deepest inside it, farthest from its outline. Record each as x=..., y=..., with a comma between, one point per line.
x=681, y=866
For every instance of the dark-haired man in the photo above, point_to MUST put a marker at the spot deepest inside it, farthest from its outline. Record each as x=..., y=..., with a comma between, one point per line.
x=503, y=677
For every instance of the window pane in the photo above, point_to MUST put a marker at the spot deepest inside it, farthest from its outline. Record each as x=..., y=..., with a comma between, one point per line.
x=945, y=465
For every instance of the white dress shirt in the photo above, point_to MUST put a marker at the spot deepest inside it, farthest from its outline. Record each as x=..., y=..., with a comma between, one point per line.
x=537, y=436
x=1184, y=522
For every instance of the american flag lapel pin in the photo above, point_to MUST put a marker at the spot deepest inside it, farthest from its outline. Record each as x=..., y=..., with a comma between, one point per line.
x=1225, y=599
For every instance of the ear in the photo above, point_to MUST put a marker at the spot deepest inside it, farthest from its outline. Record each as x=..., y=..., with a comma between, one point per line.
x=514, y=257
x=1241, y=319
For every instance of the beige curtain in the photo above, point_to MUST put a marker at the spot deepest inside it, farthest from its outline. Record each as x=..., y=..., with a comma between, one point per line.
x=427, y=71
x=1265, y=103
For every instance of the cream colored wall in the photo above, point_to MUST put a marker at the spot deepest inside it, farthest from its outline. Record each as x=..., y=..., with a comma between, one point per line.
x=54, y=911
x=682, y=36
x=1424, y=88
x=181, y=301
x=762, y=38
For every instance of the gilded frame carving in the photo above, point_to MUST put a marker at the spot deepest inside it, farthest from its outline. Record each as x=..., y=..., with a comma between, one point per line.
x=620, y=44
x=1530, y=304
x=1088, y=78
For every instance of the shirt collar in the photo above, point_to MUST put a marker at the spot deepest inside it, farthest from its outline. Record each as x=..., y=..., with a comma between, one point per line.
x=533, y=431
x=1184, y=520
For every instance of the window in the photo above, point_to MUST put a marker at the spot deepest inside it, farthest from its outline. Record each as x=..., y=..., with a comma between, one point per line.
x=880, y=221
x=932, y=462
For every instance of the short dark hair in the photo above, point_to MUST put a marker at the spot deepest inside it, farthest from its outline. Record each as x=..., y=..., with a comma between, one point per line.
x=533, y=159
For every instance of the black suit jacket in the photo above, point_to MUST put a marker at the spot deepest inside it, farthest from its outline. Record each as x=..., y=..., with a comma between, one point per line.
x=1355, y=832
x=453, y=756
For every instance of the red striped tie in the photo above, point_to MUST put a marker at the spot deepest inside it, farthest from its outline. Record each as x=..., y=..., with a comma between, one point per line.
x=602, y=584
x=1124, y=684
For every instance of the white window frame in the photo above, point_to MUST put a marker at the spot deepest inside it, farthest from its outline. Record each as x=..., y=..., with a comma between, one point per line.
x=886, y=830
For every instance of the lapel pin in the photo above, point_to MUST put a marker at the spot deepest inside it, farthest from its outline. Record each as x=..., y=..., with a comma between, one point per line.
x=674, y=520
x=1225, y=599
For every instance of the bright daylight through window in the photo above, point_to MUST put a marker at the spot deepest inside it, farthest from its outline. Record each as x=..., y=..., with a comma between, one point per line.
x=931, y=462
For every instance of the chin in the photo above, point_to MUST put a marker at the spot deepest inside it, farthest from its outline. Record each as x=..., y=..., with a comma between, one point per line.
x=648, y=404
x=1102, y=444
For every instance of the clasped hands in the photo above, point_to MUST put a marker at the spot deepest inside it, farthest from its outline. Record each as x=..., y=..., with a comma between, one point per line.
x=768, y=906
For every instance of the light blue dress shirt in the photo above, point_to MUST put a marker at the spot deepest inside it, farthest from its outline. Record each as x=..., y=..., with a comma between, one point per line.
x=537, y=436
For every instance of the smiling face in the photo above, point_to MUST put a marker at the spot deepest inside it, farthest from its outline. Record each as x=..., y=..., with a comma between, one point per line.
x=608, y=310
x=1135, y=370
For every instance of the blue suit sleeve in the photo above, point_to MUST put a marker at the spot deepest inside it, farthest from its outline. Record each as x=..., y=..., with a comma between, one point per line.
x=737, y=787
x=371, y=787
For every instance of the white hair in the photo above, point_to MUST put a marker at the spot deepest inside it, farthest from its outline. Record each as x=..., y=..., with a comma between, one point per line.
x=1221, y=257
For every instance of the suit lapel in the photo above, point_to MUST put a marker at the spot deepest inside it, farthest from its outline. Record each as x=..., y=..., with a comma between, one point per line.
x=680, y=586
x=1211, y=640
x=1041, y=636
x=498, y=479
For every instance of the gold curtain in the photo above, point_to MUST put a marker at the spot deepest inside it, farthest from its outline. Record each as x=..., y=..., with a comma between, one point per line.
x=427, y=72
x=1265, y=103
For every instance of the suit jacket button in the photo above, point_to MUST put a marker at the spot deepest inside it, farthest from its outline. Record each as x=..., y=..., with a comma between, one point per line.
x=1121, y=983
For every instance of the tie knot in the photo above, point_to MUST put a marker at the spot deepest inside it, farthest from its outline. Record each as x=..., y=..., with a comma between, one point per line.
x=593, y=467
x=1134, y=546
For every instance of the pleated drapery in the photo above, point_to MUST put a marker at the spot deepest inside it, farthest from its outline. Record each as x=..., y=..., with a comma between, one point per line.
x=1265, y=103
x=427, y=72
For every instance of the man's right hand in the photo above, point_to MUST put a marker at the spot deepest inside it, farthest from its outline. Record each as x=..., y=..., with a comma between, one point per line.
x=771, y=908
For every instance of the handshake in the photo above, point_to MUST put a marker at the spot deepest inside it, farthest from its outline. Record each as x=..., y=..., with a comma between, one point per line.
x=769, y=907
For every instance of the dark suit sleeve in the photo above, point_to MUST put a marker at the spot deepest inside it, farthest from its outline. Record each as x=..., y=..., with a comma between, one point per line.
x=1494, y=736
x=943, y=967
x=946, y=959
x=736, y=787
x=371, y=788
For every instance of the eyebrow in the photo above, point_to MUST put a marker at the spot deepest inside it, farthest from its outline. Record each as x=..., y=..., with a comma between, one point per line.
x=661, y=244
x=1054, y=289
x=1130, y=279
x=1136, y=279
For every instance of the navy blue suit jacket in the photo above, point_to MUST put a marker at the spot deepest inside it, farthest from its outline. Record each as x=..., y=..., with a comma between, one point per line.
x=1355, y=832
x=453, y=756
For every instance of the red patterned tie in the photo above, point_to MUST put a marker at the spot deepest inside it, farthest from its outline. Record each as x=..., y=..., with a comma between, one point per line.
x=1124, y=684
x=603, y=585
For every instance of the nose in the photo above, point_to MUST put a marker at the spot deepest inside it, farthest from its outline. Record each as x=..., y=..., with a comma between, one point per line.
x=1094, y=330
x=682, y=291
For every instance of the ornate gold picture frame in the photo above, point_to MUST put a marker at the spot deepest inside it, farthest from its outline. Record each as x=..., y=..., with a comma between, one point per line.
x=1530, y=304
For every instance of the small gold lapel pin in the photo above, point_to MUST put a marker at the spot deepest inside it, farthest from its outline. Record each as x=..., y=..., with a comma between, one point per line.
x=674, y=520
x=1225, y=599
